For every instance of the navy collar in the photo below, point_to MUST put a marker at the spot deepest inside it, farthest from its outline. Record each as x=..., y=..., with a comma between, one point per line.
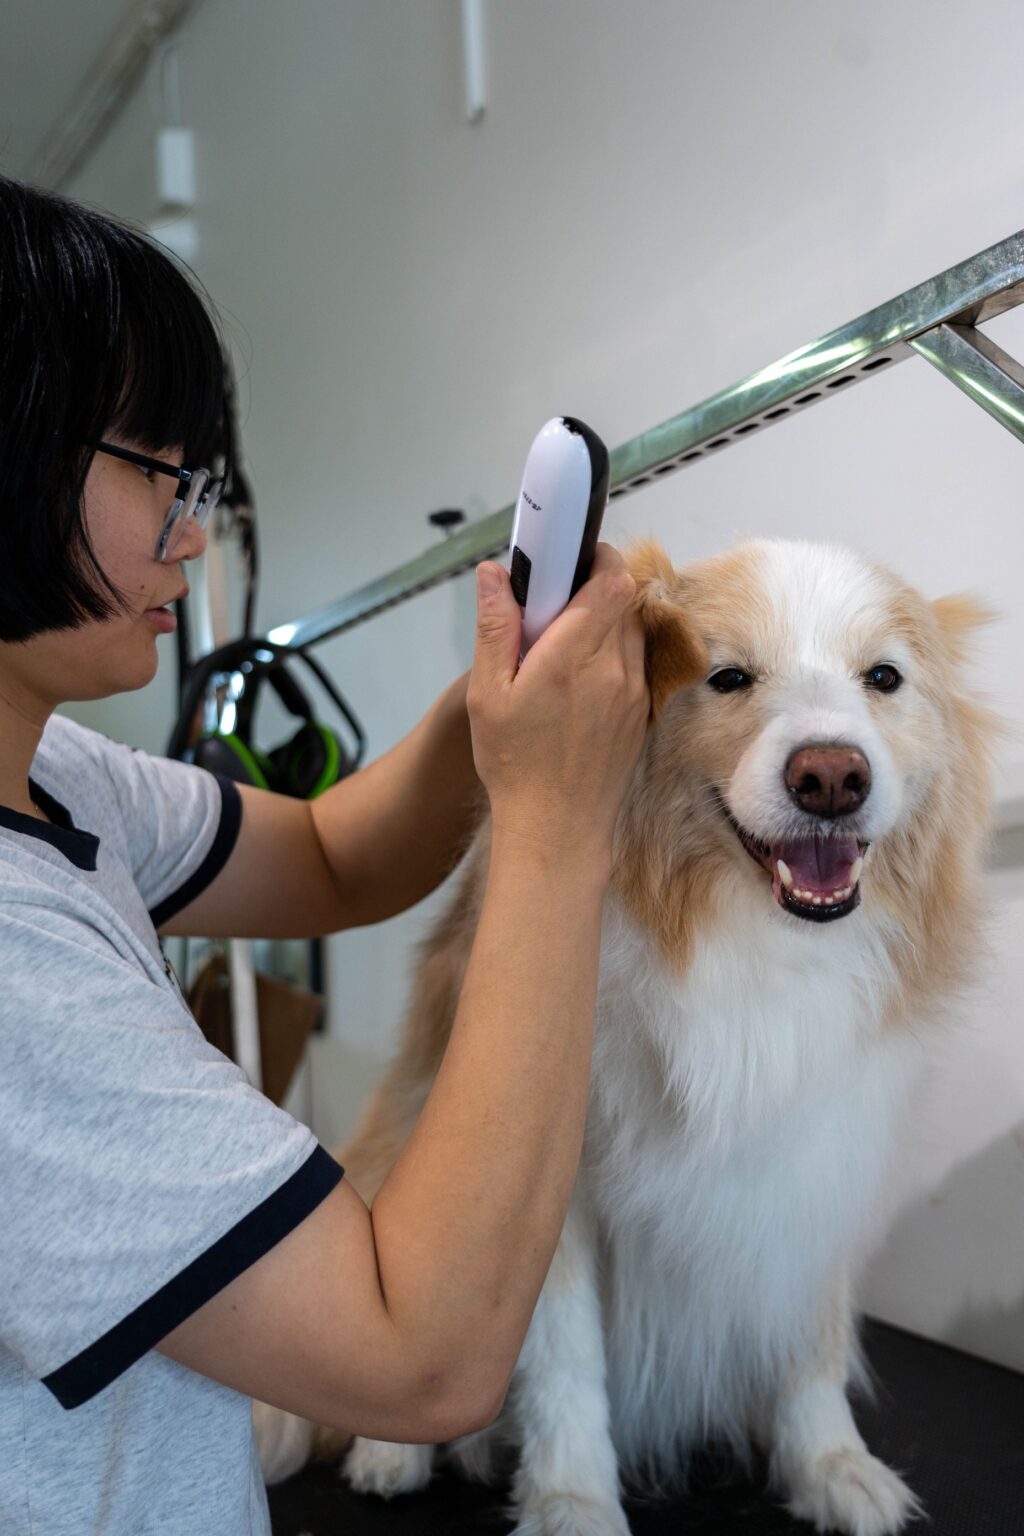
x=59, y=831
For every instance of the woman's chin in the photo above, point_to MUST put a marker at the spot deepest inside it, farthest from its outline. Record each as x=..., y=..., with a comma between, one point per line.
x=134, y=668
x=145, y=674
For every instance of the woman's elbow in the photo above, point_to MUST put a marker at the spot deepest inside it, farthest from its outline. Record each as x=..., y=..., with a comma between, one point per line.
x=464, y=1408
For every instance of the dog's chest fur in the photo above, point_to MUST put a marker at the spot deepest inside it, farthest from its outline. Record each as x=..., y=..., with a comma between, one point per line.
x=740, y=1119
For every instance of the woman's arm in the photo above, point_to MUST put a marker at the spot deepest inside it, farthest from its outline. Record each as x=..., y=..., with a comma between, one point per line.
x=373, y=845
x=404, y=1322
x=391, y=833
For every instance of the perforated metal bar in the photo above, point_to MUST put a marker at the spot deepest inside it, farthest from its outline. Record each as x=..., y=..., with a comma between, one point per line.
x=935, y=319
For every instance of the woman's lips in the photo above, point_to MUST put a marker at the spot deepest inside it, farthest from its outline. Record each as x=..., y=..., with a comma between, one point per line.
x=162, y=619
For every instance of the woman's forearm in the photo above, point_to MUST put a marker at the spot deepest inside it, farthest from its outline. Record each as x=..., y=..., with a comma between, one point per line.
x=466, y=1223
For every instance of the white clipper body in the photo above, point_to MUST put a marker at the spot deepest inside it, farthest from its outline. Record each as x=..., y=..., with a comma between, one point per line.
x=557, y=522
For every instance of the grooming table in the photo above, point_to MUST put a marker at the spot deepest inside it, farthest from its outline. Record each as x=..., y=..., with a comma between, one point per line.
x=952, y=1424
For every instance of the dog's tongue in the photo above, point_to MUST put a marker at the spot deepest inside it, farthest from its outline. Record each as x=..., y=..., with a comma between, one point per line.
x=818, y=866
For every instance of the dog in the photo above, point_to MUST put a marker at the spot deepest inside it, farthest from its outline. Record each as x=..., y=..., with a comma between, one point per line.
x=795, y=890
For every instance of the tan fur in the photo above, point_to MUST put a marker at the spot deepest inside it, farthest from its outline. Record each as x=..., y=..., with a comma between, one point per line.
x=927, y=873
x=958, y=616
x=675, y=654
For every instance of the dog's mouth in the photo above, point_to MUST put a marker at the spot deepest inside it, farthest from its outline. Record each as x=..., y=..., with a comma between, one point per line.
x=817, y=878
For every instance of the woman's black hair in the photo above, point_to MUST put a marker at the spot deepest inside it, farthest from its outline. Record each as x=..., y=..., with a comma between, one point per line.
x=100, y=332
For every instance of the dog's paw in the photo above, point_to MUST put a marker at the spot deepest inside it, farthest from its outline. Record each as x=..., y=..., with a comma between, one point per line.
x=568, y=1514
x=851, y=1491
x=385, y=1468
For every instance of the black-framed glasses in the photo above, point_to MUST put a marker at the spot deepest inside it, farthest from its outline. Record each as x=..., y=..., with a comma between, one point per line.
x=197, y=496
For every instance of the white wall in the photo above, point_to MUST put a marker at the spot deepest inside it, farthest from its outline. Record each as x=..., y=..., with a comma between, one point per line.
x=660, y=199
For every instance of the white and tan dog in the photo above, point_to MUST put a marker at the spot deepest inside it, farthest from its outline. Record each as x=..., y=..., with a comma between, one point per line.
x=794, y=894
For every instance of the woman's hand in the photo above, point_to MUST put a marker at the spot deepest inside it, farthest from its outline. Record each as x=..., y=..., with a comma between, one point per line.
x=556, y=740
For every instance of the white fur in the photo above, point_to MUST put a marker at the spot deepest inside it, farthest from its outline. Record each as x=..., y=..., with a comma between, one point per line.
x=820, y=596
x=386, y=1469
x=818, y=709
x=739, y=1125
x=831, y=1478
x=733, y=1175
x=285, y=1441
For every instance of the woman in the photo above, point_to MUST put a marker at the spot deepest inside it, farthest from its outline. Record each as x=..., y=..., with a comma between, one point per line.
x=173, y=1243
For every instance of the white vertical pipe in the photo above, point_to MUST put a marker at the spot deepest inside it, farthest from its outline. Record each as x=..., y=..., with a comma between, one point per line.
x=200, y=608
x=473, y=58
x=208, y=580
x=217, y=570
x=245, y=1019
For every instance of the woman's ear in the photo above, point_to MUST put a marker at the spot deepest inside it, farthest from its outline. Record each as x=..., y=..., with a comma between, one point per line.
x=676, y=656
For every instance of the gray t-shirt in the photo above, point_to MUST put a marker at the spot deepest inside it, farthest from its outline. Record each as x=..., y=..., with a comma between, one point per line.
x=139, y=1171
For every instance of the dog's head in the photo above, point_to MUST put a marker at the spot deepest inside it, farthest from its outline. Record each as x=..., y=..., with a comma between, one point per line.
x=809, y=722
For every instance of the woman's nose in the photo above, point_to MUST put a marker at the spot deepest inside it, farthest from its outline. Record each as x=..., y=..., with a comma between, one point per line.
x=191, y=541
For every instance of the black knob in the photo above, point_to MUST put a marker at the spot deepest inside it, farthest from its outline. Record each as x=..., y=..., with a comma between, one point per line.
x=447, y=519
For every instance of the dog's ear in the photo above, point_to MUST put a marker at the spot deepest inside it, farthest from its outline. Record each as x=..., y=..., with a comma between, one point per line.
x=959, y=615
x=676, y=656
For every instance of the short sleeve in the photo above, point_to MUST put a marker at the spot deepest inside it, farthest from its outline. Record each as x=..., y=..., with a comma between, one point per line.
x=181, y=824
x=139, y=1171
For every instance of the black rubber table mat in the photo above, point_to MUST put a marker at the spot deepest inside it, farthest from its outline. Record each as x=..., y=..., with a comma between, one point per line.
x=951, y=1424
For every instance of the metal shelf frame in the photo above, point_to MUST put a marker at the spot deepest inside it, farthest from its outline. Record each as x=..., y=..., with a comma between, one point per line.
x=938, y=321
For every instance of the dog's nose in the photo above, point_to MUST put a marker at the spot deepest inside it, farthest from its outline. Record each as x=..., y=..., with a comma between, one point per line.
x=828, y=781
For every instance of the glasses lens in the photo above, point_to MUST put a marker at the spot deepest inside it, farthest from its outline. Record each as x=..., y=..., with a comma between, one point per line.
x=178, y=516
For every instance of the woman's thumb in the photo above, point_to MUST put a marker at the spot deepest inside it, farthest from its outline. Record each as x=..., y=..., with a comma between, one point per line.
x=498, y=623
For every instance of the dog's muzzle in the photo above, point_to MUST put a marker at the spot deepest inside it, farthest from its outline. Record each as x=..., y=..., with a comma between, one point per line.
x=816, y=878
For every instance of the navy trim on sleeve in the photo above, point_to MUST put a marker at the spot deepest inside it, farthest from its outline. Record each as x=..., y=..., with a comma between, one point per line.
x=220, y=851
x=248, y=1240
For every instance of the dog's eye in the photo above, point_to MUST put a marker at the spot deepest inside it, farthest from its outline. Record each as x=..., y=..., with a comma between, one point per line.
x=728, y=679
x=883, y=677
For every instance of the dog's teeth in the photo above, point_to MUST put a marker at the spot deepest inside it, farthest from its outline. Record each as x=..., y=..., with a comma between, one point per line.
x=830, y=901
x=855, y=869
x=817, y=901
x=785, y=875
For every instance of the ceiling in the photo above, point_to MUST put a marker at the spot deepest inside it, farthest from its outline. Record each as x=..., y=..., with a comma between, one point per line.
x=47, y=50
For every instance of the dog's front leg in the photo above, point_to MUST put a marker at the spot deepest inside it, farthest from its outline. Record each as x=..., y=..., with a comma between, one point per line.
x=567, y=1483
x=819, y=1461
